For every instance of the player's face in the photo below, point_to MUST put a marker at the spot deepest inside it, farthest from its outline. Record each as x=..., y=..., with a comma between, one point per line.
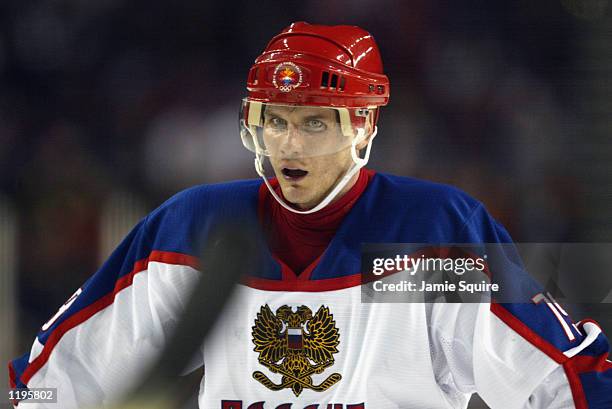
x=291, y=135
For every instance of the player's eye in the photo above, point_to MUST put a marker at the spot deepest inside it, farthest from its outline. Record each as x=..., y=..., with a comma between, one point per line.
x=315, y=125
x=276, y=122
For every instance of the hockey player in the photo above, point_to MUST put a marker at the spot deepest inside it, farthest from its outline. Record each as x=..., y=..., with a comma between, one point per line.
x=296, y=334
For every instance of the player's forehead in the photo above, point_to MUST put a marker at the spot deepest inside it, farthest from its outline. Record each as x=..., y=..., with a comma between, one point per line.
x=296, y=112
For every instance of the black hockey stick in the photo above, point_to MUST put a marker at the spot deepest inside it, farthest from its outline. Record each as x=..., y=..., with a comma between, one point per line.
x=228, y=254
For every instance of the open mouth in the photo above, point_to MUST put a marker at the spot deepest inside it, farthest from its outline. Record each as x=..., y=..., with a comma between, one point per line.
x=294, y=174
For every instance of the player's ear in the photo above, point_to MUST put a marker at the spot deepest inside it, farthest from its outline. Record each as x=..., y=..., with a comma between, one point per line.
x=361, y=145
x=369, y=129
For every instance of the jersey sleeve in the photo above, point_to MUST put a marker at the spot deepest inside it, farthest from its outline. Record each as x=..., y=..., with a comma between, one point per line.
x=101, y=340
x=523, y=355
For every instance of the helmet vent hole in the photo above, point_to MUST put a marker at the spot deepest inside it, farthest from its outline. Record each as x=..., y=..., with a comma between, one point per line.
x=325, y=79
x=334, y=81
x=371, y=89
x=342, y=83
x=380, y=89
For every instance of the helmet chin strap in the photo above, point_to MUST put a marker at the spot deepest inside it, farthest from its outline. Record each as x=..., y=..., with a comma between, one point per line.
x=358, y=163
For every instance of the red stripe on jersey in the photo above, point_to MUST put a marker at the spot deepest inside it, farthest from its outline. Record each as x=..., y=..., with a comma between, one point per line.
x=169, y=257
x=527, y=333
x=302, y=282
x=12, y=376
x=578, y=395
x=584, y=363
x=12, y=381
x=87, y=312
x=328, y=284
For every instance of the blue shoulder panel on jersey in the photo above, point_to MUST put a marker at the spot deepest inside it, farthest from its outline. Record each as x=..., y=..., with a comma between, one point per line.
x=597, y=388
x=180, y=224
x=185, y=222
x=396, y=209
x=598, y=347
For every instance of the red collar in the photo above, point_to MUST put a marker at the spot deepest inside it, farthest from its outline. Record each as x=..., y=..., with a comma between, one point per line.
x=297, y=241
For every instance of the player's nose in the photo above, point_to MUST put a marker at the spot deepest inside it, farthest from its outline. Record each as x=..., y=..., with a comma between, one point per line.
x=292, y=144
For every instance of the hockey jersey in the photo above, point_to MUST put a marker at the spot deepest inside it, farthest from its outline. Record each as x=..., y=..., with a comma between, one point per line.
x=336, y=352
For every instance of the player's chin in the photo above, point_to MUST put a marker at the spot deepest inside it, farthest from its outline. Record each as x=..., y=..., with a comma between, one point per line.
x=293, y=192
x=297, y=195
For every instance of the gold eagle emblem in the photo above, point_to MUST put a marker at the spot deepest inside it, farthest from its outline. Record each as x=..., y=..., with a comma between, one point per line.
x=296, y=345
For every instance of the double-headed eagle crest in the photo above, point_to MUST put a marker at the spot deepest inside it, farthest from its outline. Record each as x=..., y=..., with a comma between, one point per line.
x=296, y=345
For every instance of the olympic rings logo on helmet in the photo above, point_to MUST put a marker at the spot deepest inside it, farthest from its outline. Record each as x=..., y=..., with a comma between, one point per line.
x=287, y=76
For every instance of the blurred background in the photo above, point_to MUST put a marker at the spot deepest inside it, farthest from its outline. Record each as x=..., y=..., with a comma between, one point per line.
x=109, y=107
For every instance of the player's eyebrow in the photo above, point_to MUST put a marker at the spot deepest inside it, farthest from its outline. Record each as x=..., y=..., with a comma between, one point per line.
x=316, y=116
x=269, y=113
x=328, y=120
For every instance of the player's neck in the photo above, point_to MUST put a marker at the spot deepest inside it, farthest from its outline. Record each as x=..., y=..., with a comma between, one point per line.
x=342, y=194
x=340, y=205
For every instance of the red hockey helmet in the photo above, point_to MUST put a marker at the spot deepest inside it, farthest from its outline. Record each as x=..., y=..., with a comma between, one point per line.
x=320, y=65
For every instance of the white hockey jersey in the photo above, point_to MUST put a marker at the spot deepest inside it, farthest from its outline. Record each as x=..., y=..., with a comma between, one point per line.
x=336, y=352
